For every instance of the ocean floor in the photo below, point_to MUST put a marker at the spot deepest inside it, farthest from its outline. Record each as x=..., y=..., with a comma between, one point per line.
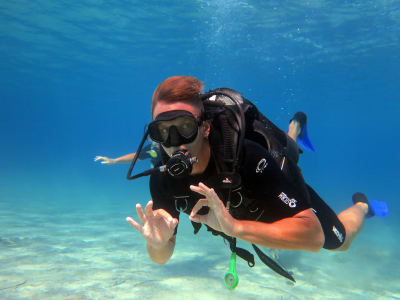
x=51, y=253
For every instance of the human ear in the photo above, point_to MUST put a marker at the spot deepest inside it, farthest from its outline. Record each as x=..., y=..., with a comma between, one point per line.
x=207, y=127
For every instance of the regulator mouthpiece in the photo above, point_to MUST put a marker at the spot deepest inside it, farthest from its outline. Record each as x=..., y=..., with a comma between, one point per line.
x=180, y=164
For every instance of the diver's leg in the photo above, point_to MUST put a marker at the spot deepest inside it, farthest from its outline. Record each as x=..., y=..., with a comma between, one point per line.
x=294, y=129
x=334, y=230
x=352, y=220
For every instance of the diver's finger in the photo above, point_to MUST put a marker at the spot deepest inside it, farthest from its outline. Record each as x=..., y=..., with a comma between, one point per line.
x=134, y=224
x=198, y=206
x=209, y=191
x=173, y=224
x=98, y=158
x=210, y=194
x=148, y=210
x=140, y=213
x=203, y=186
x=198, y=189
x=198, y=218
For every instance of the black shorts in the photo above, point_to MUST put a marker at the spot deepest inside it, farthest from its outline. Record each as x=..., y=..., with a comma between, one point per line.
x=334, y=230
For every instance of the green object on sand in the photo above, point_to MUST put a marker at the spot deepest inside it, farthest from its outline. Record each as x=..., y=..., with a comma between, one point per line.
x=231, y=279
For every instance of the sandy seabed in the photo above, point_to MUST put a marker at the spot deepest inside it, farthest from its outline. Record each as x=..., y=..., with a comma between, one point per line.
x=49, y=253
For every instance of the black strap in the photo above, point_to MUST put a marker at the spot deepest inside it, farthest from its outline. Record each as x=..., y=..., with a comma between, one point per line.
x=242, y=253
x=247, y=256
x=273, y=264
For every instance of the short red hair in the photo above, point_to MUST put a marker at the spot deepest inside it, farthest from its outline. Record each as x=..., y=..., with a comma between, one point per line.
x=178, y=89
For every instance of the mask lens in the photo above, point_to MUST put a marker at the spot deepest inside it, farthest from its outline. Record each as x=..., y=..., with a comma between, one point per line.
x=157, y=133
x=187, y=126
x=163, y=131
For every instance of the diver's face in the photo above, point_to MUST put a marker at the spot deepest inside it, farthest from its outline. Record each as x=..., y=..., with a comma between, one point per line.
x=197, y=147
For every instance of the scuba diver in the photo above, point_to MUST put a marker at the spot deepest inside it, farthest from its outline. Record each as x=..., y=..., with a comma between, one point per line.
x=228, y=167
x=150, y=151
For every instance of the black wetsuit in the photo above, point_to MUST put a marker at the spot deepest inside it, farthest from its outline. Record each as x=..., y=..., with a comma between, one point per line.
x=265, y=194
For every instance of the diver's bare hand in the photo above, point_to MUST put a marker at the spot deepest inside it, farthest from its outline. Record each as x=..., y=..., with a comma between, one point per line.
x=158, y=225
x=218, y=216
x=105, y=160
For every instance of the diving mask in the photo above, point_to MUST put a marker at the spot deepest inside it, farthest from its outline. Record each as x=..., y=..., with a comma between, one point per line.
x=175, y=128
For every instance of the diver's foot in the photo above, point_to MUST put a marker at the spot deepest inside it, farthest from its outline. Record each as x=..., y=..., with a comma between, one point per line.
x=298, y=130
x=361, y=198
x=294, y=130
x=301, y=118
x=297, y=124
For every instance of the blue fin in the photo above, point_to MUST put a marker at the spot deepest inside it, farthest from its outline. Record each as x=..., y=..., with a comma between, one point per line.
x=304, y=140
x=375, y=208
x=379, y=208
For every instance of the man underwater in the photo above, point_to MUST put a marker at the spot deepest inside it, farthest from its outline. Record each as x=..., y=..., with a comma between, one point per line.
x=281, y=213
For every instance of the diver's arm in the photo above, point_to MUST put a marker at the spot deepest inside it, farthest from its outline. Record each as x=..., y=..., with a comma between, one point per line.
x=160, y=255
x=110, y=161
x=303, y=231
x=125, y=158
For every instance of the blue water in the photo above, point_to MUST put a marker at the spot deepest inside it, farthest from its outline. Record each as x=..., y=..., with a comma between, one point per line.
x=76, y=80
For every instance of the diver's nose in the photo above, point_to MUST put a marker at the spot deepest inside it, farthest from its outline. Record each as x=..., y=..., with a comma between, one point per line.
x=174, y=137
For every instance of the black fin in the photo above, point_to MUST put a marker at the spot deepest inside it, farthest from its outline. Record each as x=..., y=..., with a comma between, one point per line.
x=272, y=264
